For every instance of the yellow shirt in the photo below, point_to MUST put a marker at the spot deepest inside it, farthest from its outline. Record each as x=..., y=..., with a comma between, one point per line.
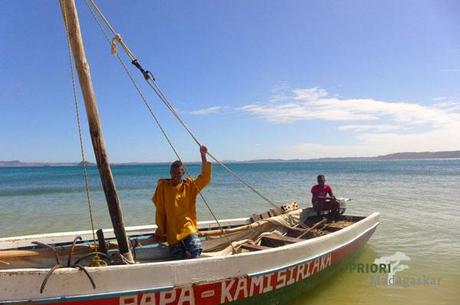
x=176, y=205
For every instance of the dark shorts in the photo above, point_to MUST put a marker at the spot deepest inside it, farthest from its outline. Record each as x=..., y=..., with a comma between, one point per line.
x=326, y=205
x=189, y=247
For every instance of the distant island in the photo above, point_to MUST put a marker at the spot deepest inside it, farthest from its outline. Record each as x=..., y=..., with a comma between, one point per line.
x=17, y=163
x=396, y=156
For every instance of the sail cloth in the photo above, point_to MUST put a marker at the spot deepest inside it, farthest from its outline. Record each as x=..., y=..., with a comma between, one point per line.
x=277, y=225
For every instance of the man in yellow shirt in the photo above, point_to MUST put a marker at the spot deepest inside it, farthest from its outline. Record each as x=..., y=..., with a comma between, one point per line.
x=175, y=202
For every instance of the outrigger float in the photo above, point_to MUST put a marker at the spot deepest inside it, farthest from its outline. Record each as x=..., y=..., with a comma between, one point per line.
x=263, y=259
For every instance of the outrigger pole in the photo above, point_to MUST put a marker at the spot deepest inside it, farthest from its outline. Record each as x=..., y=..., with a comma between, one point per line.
x=73, y=27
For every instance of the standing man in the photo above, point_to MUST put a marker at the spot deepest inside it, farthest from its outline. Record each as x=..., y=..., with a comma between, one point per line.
x=322, y=197
x=175, y=202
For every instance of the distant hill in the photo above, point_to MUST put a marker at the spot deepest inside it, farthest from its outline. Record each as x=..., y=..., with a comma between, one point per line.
x=17, y=163
x=87, y=163
x=396, y=156
x=421, y=155
x=14, y=163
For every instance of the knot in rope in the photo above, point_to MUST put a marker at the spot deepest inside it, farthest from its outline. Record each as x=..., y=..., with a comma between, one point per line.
x=115, y=39
x=114, y=50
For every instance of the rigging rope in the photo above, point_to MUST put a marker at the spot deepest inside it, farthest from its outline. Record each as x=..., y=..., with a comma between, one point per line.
x=150, y=79
x=133, y=81
x=147, y=104
x=80, y=135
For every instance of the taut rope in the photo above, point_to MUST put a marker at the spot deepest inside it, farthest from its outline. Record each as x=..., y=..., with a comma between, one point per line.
x=144, y=99
x=149, y=78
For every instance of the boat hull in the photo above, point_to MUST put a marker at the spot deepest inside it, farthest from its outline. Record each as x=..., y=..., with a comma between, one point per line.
x=258, y=277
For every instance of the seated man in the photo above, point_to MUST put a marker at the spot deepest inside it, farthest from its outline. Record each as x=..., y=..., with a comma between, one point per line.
x=175, y=202
x=322, y=197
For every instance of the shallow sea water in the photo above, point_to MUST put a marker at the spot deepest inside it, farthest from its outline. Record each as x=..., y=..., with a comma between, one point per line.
x=417, y=200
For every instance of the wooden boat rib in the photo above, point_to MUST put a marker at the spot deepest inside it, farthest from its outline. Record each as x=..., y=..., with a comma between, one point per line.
x=246, y=276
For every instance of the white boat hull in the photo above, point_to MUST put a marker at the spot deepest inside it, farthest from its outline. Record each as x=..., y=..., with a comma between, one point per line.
x=212, y=280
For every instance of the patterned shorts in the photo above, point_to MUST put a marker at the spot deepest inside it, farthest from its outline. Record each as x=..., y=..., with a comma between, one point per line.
x=189, y=247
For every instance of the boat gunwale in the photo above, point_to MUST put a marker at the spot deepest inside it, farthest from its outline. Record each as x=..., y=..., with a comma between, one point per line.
x=170, y=287
x=87, y=234
x=172, y=263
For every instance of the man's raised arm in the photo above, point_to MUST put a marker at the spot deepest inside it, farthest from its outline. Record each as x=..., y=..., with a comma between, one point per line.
x=205, y=177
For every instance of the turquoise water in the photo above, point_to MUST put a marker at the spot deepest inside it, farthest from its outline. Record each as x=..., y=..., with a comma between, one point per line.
x=417, y=199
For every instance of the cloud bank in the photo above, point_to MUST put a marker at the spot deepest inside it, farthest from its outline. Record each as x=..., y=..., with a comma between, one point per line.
x=376, y=126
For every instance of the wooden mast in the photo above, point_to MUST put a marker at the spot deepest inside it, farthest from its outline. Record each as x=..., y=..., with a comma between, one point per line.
x=73, y=27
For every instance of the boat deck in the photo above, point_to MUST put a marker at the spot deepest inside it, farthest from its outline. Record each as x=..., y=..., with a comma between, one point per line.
x=258, y=233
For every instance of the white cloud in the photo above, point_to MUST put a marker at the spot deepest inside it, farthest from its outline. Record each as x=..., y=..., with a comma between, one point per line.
x=312, y=94
x=373, y=144
x=447, y=104
x=206, y=111
x=361, y=128
x=374, y=126
x=318, y=104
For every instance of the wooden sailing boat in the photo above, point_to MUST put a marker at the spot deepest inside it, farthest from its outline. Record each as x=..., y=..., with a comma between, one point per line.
x=260, y=259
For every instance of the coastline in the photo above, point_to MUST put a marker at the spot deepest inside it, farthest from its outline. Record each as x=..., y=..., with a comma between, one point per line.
x=440, y=155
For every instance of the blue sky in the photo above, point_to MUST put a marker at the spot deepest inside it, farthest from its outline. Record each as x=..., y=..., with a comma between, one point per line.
x=253, y=79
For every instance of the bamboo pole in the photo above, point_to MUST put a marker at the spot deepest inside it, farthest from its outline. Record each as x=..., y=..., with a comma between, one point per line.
x=76, y=41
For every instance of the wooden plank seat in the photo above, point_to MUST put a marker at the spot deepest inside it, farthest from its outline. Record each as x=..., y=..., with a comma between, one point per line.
x=277, y=241
x=295, y=232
